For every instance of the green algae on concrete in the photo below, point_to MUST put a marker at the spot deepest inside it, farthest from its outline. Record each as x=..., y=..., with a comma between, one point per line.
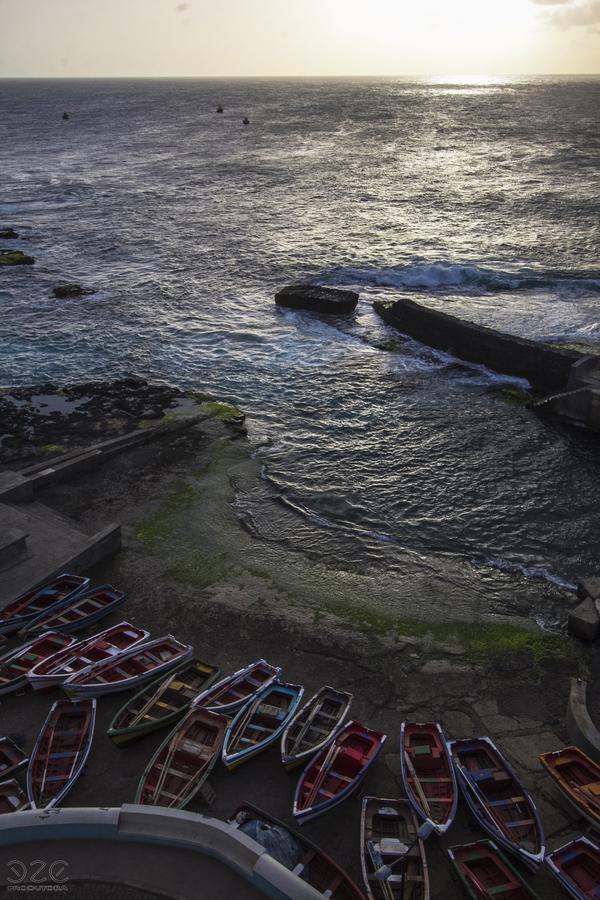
x=225, y=412
x=481, y=641
x=53, y=448
x=15, y=258
x=514, y=395
x=160, y=524
x=199, y=571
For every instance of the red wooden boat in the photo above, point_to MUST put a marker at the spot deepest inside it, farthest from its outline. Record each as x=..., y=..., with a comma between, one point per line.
x=183, y=761
x=337, y=770
x=12, y=797
x=577, y=868
x=15, y=666
x=30, y=604
x=578, y=778
x=12, y=758
x=129, y=669
x=486, y=874
x=108, y=644
x=314, y=866
x=82, y=612
x=428, y=773
x=60, y=752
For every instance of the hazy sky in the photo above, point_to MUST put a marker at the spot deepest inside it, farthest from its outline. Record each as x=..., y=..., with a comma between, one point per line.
x=297, y=37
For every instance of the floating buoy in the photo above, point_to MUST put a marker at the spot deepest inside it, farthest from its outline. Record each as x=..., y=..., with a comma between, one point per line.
x=65, y=115
x=246, y=121
x=219, y=109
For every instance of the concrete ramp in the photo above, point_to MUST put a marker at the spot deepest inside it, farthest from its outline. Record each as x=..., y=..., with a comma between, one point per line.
x=167, y=852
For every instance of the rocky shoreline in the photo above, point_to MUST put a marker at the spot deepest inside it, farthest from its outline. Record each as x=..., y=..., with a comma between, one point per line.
x=41, y=421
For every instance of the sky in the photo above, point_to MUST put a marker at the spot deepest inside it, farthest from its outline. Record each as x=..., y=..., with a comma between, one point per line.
x=149, y=38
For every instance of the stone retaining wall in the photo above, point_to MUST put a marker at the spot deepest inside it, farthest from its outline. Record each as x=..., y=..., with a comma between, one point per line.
x=545, y=367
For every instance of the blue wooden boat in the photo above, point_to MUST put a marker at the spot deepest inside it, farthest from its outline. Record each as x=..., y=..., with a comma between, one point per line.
x=78, y=613
x=428, y=773
x=498, y=799
x=28, y=606
x=260, y=723
x=576, y=866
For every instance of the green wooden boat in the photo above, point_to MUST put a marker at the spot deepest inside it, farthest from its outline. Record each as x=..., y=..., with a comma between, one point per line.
x=161, y=703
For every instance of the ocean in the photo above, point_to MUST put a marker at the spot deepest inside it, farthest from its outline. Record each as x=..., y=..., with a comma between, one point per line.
x=480, y=196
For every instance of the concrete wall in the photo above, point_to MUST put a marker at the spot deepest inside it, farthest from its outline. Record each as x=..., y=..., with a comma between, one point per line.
x=545, y=367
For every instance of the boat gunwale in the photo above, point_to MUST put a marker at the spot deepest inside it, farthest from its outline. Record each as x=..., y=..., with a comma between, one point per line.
x=6, y=625
x=80, y=624
x=240, y=756
x=451, y=851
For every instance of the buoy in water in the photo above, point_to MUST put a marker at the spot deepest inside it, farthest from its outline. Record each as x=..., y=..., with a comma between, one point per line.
x=246, y=121
x=65, y=115
x=219, y=109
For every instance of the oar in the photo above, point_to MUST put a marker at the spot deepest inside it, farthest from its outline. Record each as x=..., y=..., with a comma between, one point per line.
x=417, y=783
x=332, y=754
x=155, y=696
x=305, y=727
x=241, y=727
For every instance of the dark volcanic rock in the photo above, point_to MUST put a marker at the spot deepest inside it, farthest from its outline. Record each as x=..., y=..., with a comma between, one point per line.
x=62, y=291
x=15, y=258
x=317, y=299
x=8, y=234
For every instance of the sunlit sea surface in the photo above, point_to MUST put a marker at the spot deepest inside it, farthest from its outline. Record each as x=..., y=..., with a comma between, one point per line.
x=481, y=197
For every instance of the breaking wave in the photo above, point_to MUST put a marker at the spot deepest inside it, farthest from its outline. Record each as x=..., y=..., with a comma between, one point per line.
x=446, y=276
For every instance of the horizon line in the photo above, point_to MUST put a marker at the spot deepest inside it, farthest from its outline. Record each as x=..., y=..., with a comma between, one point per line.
x=415, y=75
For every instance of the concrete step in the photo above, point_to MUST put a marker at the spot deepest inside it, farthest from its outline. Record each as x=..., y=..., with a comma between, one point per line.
x=13, y=544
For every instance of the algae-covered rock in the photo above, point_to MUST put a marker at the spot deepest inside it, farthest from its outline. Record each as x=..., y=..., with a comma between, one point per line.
x=317, y=299
x=8, y=234
x=65, y=291
x=15, y=258
x=516, y=396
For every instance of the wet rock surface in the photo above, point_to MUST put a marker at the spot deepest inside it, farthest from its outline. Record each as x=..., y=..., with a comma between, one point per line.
x=8, y=234
x=15, y=258
x=66, y=291
x=44, y=420
x=317, y=299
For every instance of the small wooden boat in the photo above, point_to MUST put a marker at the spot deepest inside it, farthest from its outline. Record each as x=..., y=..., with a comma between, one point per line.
x=498, y=799
x=27, y=606
x=54, y=670
x=161, y=703
x=336, y=770
x=183, y=761
x=12, y=758
x=577, y=868
x=388, y=830
x=428, y=773
x=260, y=723
x=233, y=692
x=77, y=614
x=578, y=778
x=313, y=865
x=314, y=725
x=485, y=873
x=129, y=669
x=15, y=666
x=60, y=752
x=12, y=797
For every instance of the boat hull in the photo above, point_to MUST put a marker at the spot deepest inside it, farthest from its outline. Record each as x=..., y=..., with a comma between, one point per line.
x=290, y=694
x=481, y=866
x=50, y=745
x=415, y=764
x=69, y=586
x=79, y=690
x=385, y=819
x=312, y=712
x=477, y=802
x=576, y=866
x=52, y=621
x=121, y=737
x=319, y=769
x=227, y=686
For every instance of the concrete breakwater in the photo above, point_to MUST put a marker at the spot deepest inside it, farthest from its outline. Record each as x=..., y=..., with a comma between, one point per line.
x=546, y=367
